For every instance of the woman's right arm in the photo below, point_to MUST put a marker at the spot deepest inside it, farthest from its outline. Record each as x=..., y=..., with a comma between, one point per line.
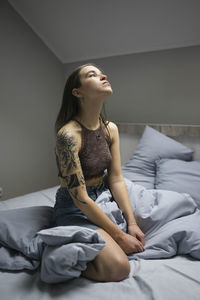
x=67, y=147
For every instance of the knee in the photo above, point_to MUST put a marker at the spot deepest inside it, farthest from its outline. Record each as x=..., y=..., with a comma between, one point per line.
x=120, y=269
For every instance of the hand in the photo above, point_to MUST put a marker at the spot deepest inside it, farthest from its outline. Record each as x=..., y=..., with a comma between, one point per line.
x=129, y=244
x=135, y=231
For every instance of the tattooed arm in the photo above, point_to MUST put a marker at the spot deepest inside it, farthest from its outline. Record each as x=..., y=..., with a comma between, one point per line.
x=67, y=147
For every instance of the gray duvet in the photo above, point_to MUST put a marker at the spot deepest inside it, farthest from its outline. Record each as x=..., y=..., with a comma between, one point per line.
x=170, y=221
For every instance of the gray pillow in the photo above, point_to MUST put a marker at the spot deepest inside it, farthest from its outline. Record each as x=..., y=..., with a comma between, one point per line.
x=153, y=145
x=179, y=176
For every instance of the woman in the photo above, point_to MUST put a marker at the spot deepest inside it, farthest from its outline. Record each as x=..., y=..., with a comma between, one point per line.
x=86, y=145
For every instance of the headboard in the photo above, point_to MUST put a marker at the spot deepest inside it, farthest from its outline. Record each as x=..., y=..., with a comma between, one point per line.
x=130, y=134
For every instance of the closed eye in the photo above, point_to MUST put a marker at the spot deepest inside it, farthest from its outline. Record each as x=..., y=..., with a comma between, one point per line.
x=91, y=73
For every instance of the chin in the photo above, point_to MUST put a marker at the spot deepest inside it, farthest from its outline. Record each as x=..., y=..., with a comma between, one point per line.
x=108, y=93
x=109, y=89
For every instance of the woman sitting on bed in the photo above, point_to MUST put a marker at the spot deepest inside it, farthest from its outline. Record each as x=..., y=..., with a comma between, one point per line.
x=87, y=145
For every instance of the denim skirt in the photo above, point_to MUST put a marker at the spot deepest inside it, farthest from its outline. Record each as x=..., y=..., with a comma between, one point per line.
x=66, y=213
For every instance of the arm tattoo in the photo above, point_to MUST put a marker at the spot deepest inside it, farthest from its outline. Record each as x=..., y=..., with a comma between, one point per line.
x=73, y=181
x=75, y=194
x=82, y=180
x=66, y=146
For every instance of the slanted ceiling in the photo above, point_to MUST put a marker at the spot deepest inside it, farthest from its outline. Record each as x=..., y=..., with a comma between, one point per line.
x=76, y=30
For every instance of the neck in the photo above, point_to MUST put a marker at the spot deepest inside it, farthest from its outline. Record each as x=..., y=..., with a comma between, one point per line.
x=90, y=115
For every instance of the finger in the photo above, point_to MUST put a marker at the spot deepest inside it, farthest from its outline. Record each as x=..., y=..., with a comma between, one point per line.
x=142, y=246
x=139, y=247
x=136, y=246
x=141, y=239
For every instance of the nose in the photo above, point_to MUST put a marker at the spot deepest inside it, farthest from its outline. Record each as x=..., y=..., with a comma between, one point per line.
x=103, y=77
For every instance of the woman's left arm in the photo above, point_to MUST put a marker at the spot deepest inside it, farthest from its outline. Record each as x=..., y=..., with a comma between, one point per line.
x=118, y=187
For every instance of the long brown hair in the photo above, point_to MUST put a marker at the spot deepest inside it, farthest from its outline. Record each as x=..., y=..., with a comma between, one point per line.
x=70, y=106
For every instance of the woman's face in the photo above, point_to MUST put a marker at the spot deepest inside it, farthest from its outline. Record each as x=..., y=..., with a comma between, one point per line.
x=93, y=83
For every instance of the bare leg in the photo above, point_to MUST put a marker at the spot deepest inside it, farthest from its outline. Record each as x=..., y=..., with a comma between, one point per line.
x=111, y=264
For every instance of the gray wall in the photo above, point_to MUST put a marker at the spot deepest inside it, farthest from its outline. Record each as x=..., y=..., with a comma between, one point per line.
x=31, y=85
x=153, y=87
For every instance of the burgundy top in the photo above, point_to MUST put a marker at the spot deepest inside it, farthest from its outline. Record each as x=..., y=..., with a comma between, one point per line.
x=94, y=154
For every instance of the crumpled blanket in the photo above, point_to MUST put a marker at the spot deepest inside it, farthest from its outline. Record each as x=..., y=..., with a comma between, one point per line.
x=67, y=251
x=170, y=221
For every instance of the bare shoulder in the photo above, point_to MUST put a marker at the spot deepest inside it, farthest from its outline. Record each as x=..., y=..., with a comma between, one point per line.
x=70, y=134
x=71, y=126
x=112, y=126
x=113, y=130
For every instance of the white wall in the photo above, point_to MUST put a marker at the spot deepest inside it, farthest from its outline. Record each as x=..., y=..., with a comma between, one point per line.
x=31, y=86
x=154, y=87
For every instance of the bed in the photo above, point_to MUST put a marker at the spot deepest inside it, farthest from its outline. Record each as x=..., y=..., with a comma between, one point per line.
x=160, y=163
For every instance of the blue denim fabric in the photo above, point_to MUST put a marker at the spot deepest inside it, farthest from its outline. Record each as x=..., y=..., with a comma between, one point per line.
x=66, y=213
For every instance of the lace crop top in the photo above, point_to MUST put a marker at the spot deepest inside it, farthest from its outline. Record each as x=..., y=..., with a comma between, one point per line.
x=94, y=154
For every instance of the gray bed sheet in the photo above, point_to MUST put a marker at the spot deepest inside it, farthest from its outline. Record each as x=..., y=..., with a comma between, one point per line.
x=172, y=278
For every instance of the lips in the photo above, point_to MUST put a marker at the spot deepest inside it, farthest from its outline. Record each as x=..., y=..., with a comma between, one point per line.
x=106, y=82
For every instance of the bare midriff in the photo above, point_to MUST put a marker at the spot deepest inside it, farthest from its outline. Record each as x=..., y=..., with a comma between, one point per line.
x=94, y=181
x=88, y=182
